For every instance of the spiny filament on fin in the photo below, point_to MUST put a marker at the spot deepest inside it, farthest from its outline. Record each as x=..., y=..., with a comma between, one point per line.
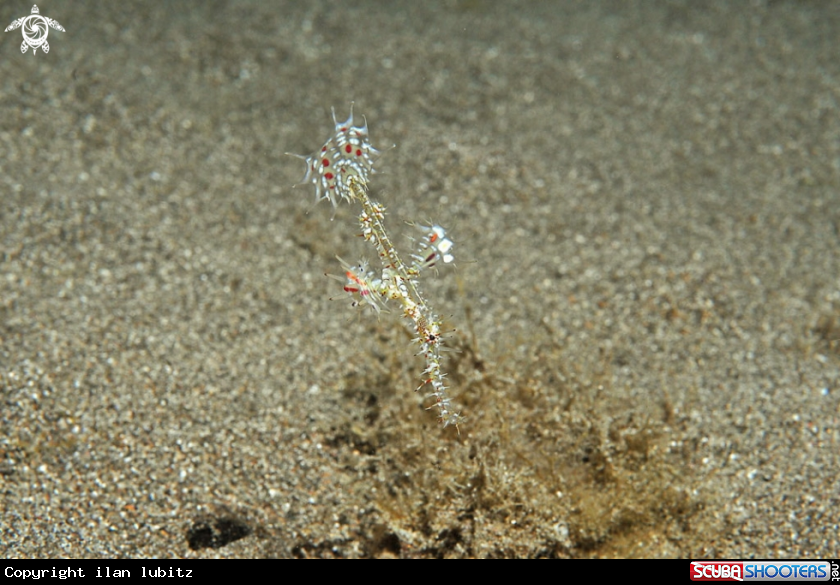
x=348, y=153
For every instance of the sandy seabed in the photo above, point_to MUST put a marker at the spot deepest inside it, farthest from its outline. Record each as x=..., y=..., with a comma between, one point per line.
x=644, y=312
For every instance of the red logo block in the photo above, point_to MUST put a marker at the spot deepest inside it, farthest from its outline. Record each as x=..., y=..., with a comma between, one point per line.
x=717, y=571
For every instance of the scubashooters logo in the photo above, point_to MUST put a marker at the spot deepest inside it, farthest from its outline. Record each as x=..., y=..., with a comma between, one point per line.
x=761, y=571
x=717, y=571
